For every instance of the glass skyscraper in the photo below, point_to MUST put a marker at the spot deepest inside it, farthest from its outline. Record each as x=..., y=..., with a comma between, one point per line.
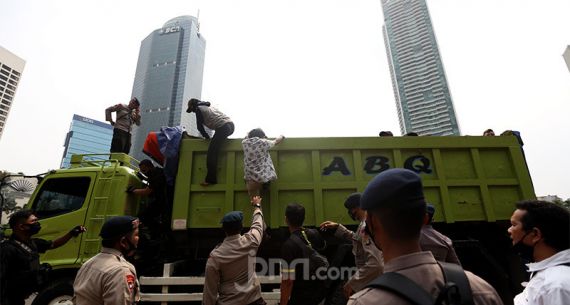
x=422, y=95
x=86, y=136
x=169, y=73
x=11, y=67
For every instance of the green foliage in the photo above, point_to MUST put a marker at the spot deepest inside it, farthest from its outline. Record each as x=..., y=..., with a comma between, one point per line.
x=565, y=203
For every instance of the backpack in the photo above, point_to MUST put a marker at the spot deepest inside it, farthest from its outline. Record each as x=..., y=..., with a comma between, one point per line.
x=455, y=291
x=316, y=260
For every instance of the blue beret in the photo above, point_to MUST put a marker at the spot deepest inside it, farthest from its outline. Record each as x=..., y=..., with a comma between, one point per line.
x=118, y=226
x=393, y=186
x=233, y=216
x=352, y=201
x=430, y=209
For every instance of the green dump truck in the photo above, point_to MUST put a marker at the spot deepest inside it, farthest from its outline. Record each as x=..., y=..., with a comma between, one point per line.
x=472, y=181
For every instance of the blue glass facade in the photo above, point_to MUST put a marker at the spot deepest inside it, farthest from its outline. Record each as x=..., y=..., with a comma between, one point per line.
x=86, y=136
x=169, y=72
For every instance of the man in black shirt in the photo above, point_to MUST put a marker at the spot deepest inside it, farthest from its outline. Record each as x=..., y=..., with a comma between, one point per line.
x=154, y=215
x=296, y=288
x=21, y=274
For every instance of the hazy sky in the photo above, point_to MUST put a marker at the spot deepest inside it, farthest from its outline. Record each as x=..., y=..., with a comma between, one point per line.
x=294, y=67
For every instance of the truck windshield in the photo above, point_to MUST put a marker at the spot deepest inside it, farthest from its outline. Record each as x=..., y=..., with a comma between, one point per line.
x=61, y=195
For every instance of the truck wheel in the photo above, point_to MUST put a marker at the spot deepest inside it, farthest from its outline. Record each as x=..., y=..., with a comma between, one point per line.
x=60, y=292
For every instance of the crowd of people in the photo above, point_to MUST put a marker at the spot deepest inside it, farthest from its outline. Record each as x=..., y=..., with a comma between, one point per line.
x=399, y=257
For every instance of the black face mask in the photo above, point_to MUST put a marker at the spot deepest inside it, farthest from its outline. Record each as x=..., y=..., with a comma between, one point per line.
x=352, y=215
x=369, y=233
x=34, y=228
x=130, y=251
x=524, y=251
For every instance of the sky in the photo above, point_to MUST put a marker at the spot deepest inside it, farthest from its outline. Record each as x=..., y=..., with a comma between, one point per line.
x=301, y=68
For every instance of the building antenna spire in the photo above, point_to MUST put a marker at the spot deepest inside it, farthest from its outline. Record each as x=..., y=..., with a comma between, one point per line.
x=198, y=23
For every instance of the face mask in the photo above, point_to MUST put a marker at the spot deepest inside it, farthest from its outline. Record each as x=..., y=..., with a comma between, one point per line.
x=369, y=232
x=524, y=251
x=352, y=215
x=130, y=251
x=34, y=228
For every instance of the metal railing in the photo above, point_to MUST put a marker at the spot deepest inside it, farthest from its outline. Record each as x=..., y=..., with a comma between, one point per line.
x=168, y=280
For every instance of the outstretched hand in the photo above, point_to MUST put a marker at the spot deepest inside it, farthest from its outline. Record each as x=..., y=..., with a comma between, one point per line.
x=256, y=200
x=77, y=230
x=328, y=225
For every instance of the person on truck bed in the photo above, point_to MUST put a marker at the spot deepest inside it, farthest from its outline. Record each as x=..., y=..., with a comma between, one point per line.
x=222, y=125
x=368, y=259
x=396, y=211
x=230, y=269
x=108, y=278
x=127, y=115
x=257, y=164
x=438, y=244
x=21, y=272
x=540, y=232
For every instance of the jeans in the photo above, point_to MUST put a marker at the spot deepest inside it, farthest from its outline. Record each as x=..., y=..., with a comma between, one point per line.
x=221, y=134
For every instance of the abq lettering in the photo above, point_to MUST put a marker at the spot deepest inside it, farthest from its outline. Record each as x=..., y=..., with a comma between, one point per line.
x=377, y=164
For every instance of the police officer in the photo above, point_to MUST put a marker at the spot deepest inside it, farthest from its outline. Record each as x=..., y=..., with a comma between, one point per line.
x=108, y=278
x=368, y=258
x=438, y=244
x=396, y=210
x=230, y=269
x=21, y=271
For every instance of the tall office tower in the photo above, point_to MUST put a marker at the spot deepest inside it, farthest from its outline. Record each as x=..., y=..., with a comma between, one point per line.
x=86, y=136
x=169, y=73
x=566, y=56
x=11, y=67
x=420, y=87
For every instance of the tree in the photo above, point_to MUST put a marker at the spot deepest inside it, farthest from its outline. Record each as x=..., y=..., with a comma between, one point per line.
x=565, y=203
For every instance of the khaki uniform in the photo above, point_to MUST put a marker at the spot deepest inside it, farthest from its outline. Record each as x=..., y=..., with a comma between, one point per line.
x=438, y=244
x=368, y=259
x=230, y=269
x=107, y=278
x=422, y=268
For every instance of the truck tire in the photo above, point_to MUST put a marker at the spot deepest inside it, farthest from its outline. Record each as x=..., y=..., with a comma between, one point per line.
x=59, y=292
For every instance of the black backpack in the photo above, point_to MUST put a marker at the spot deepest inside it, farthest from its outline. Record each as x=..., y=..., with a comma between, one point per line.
x=316, y=260
x=456, y=290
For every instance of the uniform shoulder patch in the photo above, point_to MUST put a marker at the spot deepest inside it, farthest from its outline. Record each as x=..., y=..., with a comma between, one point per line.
x=130, y=281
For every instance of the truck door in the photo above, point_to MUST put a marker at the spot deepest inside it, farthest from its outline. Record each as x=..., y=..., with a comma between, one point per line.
x=61, y=203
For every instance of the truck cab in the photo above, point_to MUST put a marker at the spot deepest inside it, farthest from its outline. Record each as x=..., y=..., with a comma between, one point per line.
x=473, y=182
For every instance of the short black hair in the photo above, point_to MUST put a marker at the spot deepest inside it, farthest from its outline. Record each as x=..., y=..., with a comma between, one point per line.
x=110, y=242
x=295, y=214
x=411, y=134
x=257, y=132
x=552, y=220
x=352, y=201
x=232, y=228
x=19, y=217
x=386, y=133
x=146, y=162
x=402, y=220
x=136, y=100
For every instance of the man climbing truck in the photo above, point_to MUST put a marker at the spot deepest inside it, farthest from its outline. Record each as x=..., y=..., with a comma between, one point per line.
x=473, y=182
